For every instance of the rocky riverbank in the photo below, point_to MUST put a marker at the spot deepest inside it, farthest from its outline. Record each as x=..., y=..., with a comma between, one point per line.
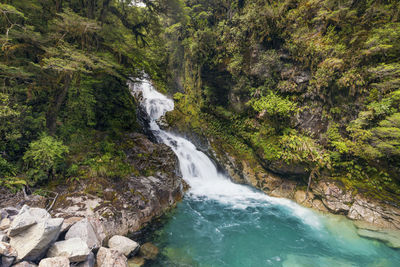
x=30, y=237
x=75, y=222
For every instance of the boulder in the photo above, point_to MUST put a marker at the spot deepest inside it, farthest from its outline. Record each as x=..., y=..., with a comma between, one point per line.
x=34, y=242
x=84, y=230
x=389, y=237
x=68, y=222
x=7, y=261
x=148, y=251
x=5, y=224
x=53, y=262
x=21, y=222
x=89, y=262
x=4, y=237
x=123, y=244
x=74, y=249
x=136, y=262
x=108, y=257
x=25, y=264
x=8, y=212
x=7, y=254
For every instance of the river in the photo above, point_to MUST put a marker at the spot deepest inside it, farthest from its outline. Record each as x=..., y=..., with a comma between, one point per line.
x=220, y=223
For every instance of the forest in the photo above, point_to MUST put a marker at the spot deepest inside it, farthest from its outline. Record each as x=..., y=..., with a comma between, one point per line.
x=309, y=89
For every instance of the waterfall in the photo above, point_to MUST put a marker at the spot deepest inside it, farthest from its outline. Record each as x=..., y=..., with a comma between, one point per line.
x=200, y=172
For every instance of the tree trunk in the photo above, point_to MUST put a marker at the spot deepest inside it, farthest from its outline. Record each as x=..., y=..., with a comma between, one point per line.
x=52, y=114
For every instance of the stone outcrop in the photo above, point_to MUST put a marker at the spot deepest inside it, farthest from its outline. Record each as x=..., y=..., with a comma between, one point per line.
x=120, y=206
x=108, y=257
x=75, y=249
x=123, y=245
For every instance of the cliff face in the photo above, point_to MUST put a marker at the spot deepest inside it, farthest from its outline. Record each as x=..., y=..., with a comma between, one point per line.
x=296, y=93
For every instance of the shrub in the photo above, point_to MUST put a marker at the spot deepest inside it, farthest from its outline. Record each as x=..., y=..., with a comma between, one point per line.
x=43, y=158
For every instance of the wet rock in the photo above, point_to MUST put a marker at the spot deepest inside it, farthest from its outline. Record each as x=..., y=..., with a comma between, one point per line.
x=32, y=243
x=390, y=238
x=5, y=224
x=309, y=200
x=89, y=262
x=148, y=251
x=136, y=262
x=84, y=230
x=379, y=214
x=25, y=264
x=123, y=244
x=74, y=249
x=52, y=262
x=108, y=257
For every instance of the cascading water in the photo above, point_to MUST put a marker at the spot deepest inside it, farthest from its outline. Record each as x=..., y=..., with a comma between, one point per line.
x=220, y=223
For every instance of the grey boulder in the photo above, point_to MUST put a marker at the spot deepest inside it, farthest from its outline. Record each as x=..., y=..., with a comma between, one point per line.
x=83, y=229
x=123, y=244
x=32, y=243
x=74, y=249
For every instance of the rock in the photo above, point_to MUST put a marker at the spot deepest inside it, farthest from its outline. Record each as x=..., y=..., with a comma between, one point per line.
x=21, y=222
x=7, y=254
x=68, y=222
x=4, y=237
x=54, y=262
x=90, y=261
x=84, y=230
x=7, y=261
x=8, y=212
x=390, y=238
x=7, y=250
x=5, y=224
x=75, y=249
x=33, y=242
x=110, y=258
x=374, y=212
x=123, y=244
x=136, y=262
x=334, y=198
x=149, y=251
x=25, y=264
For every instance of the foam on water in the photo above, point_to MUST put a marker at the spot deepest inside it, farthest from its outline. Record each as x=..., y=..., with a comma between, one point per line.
x=199, y=171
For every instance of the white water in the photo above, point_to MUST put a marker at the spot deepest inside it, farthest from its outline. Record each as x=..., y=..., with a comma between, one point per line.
x=200, y=172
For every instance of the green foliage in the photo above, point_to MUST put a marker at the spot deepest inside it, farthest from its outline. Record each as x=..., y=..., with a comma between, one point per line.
x=274, y=105
x=43, y=158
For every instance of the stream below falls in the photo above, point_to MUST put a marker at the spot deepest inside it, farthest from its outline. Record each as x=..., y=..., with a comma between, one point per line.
x=220, y=223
